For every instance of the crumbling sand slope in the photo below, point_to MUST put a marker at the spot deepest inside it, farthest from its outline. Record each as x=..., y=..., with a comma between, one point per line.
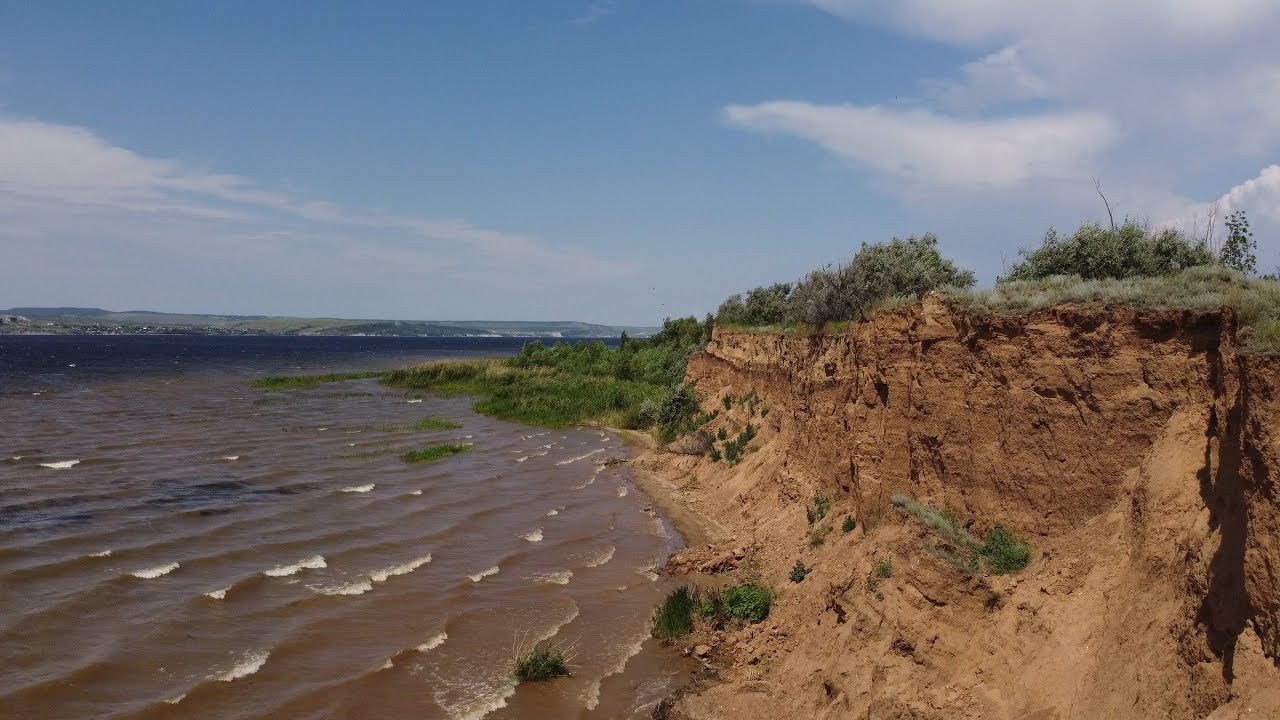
x=1134, y=450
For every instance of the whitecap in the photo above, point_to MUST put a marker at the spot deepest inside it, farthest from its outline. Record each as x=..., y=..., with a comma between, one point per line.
x=602, y=558
x=622, y=491
x=61, y=465
x=553, y=578
x=104, y=553
x=653, y=576
x=358, y=488
x=218, y=594
x=155, y=572
x=483, y=574
x=401, y=569
x=321, y=429
x=581, y=457
x=387, y=665
x=176, y=700
x=249, y=664
x=433, y=642
x=315, y=562
x=414, y=401
x=359, y=587
x=416, y=492
x=16, y=457
x=231, y=457
x=535, y=536
x=553, y=513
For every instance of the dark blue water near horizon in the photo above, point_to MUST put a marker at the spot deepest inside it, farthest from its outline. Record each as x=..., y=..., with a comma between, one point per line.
x=37, y=362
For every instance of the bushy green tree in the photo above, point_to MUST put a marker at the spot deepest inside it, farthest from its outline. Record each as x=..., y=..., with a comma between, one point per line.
x=1095, y=252
x=1238, y=249
x=766, y=305
x=907, y=267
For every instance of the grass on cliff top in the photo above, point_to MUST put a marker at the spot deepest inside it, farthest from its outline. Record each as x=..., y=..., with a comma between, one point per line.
x=276, y=383
x=431, y=453
x=1205, y=288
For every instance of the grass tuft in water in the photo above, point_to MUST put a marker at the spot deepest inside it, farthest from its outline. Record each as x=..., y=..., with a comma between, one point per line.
x=430, y=423
x=431, y=453
x=674, y=617
x=542, y=661
x=276, y=383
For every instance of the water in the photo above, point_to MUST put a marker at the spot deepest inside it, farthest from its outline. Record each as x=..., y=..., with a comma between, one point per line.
x=176, y=544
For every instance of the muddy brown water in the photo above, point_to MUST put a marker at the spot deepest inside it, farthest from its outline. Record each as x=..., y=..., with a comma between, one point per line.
x=178, y=545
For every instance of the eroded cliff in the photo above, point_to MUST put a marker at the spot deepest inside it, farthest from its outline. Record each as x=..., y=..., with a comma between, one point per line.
x=1134, y=450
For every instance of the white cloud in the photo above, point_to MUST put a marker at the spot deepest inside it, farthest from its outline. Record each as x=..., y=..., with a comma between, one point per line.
x=1260, y=195
x=48, y=169
x=924, y=148
x=596, y=12
x=993, y=79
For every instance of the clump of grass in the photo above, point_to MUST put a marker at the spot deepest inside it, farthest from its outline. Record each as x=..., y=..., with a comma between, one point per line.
x=714, y=454
x=431, y=453
x=821, y=506
x=734, y=449
x=749, y=602
x=276, y=383
x=674, y=617
x=993, y=600
x=881, y=570
x=1000, y=553
x=848, y=525
x=543, y=661
x=728, y=402
x=798, y=572
x=430, y=423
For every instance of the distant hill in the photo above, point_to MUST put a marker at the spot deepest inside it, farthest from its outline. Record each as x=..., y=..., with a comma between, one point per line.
x=96, y=321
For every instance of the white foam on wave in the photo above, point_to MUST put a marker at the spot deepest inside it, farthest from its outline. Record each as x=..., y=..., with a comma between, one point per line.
x=432, y=643
x=474, y=700
x=231, y=458
x=249, y=664
x=483, y=574
x=597, y=451
x=535, y=536
x=592, y=695
x=603, y=557
x=218, y=594
x=104, y=553
x=321, y=429
x=653, y=576
x=594, y=473
x=416, y=492
x=532, y=455
x=155, y=572
x=414, y=401
x=176, y=700
x=16, y=457
x=358, y=587
x=387, y=665
x=401, y=569
x=553, y=512
x=359, y=488
x=622, y=491
x=60, y=465
x=560, y=577
x=315, y=562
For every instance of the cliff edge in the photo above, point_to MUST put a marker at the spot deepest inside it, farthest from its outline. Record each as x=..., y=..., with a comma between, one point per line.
x=1134, y=450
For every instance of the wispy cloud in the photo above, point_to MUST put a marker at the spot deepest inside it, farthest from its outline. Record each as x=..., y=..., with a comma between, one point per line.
x=928, y=149
x=54, y=167
x=596, y=12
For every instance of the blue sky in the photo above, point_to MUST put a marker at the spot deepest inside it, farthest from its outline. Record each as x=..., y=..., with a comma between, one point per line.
x=602, y=161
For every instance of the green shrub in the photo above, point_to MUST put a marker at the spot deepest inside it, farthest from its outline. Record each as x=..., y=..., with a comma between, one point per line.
x=674, y=617
x=821, y=506
x=848, y=525
x=1000, y=553
x=799, y=572
x=722, y=434
x=1238, y=249
x=902, y=267
x=881, y=570
x=1005, y=553
x=711, y=605
x=541, y=662
x=431, y=453
x=1095, y=252
x=728, y=402
x=714, y=454
x=749, y=602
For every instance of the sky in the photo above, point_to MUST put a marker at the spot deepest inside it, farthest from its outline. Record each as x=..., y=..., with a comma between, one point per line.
x=607, y=161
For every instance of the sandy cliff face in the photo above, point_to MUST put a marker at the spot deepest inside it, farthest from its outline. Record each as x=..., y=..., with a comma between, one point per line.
x=1135, y=451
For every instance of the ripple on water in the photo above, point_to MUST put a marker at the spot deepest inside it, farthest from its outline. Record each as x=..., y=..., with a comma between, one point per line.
x=248, y=664
x=483, y=574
